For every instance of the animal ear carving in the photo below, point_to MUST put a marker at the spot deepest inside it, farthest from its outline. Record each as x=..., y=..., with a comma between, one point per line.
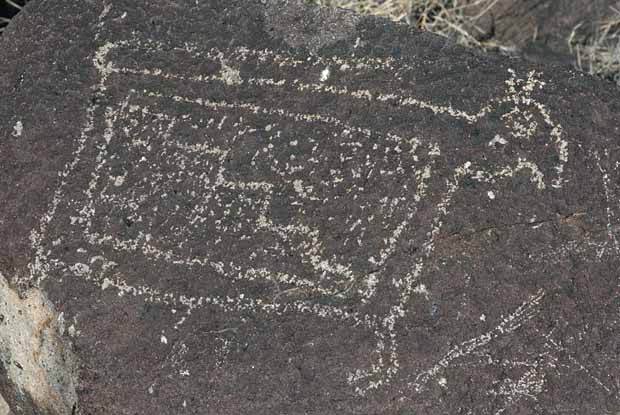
x=528, y=140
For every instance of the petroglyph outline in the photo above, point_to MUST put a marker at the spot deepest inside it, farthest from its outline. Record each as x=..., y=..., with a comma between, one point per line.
x=382, y=371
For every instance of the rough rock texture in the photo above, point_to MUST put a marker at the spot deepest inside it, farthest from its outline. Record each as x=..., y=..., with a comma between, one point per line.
x=223, y=219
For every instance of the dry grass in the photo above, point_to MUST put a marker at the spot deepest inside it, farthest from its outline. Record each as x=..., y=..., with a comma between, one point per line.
x=456, y=19
x=600, y=54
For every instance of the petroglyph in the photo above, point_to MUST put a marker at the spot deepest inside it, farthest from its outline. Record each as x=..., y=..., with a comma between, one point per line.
x=508, y=325
x=611, y=198
x=602, y=244
x=303, y=211
x=184, y=179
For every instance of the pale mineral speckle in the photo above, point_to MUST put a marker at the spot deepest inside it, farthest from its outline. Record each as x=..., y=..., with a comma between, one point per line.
x=325, y=73
x=230, y=76
x=119, y=180
x=421, y=289
x=483, y=317
x=298, y=186
x=18, y=128
x=491, y=194
x=106, y=284
x=497, y=140
x=163, y=339
x=443, y=382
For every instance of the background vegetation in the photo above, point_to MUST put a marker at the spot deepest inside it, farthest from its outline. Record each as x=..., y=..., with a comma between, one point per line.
x=463, y=20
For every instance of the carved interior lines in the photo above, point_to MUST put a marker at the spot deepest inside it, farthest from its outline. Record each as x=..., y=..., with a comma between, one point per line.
x=331, y=276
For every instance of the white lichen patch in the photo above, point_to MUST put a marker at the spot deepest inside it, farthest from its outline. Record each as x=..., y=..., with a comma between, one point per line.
x=33, y=355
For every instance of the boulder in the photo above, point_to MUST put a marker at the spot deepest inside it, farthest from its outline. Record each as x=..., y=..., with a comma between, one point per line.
x=263, y=207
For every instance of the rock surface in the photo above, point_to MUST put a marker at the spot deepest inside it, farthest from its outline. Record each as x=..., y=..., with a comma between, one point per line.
x=255, y=207
x=4, y=407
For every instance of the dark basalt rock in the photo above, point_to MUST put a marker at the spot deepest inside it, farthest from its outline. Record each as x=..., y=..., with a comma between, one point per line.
x=254, y=207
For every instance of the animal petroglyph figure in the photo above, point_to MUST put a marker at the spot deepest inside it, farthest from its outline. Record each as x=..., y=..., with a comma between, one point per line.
x=238, y=190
